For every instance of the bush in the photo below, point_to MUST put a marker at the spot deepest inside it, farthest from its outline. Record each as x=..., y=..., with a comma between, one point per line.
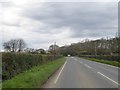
x=14, y=63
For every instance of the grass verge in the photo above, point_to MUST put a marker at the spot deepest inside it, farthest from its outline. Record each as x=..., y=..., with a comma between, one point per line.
x=113, y=63
x=33, y=77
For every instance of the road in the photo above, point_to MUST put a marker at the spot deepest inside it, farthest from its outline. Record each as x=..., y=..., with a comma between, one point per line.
x=80, y=73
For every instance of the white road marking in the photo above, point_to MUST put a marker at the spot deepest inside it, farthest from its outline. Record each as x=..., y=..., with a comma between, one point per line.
x=87, y=66
x=108, y=78
x=60, y=72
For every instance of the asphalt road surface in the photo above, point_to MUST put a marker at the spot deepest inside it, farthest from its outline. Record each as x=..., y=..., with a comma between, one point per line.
x=80, y=73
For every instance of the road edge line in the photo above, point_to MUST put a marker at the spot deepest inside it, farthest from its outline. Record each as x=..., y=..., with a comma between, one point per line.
x=60, y=73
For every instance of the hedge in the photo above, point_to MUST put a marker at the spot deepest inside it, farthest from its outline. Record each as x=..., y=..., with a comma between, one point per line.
x=15, y=63
x=104, y=57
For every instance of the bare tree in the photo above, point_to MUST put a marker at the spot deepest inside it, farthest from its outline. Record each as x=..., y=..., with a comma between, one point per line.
x=21, y=44
x=14, y=45
x=6, y=46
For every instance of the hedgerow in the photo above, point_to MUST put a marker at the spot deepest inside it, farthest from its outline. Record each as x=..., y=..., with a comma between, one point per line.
x=15, y=63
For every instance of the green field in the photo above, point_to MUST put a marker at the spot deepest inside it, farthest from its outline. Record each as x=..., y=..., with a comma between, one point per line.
x=34, y=77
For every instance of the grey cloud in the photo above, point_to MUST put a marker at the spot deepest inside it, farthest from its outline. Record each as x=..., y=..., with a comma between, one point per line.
x=84, y=19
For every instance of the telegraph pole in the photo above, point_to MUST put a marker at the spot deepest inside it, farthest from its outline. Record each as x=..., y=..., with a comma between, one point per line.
x=54, y=50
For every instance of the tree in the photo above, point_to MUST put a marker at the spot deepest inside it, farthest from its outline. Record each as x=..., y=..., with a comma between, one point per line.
x=7, y=47
x=14, y=45
x=10, y=45
x=21, y=44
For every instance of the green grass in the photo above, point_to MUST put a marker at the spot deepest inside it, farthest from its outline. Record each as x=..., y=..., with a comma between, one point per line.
x=33, y=77
x=113, y=63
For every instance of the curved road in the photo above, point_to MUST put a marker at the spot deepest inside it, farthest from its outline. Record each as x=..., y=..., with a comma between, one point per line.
x=81, y=73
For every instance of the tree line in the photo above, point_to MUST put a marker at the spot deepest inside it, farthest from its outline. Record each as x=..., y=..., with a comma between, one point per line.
x=108, y=46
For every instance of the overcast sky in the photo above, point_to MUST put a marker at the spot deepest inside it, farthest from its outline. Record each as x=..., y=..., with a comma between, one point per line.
x=41, y=24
